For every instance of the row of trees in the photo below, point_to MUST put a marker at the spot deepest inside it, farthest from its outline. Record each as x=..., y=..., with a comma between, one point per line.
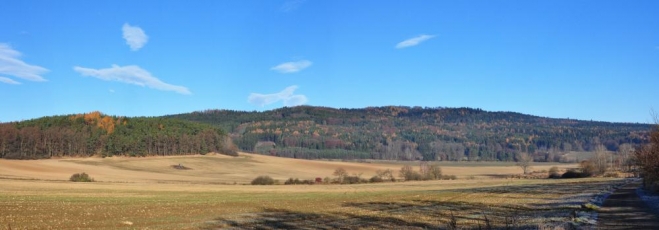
x=98, y=134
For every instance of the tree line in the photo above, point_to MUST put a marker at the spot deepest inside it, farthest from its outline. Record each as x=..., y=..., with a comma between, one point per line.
x=98, y=134
x=415, y=133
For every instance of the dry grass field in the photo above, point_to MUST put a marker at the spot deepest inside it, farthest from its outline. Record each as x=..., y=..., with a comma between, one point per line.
x=221, y=169
x=147, y=193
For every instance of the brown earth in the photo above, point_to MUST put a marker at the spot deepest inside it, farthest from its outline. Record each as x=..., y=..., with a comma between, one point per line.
x=623, y=209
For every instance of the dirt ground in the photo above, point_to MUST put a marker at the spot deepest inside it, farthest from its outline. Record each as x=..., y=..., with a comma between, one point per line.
x=623, y=209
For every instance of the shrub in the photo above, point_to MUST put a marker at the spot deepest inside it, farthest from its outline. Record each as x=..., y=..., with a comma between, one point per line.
x=449, y=177
x=588, y=168
x=553, y=173
x=386, y=174
x=432, y=172
x=298, y=181
x=81, y=177
x=351, y=180
x=376, y=179
x=263, y=180
x=409, y=174
x=319, y=180
x=292, y=181
x=574, y=174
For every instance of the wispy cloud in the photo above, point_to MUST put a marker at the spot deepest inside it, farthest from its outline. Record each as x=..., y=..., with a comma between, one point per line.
x=292, y=67
x=131, y=74
x=135, y=36
x=12, y=65
x=9, y=81
x=413, y=41
x=286, y=96
x=291, y=5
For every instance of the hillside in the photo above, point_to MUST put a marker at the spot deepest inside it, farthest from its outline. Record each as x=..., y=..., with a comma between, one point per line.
x=409, y=133
x=97, y=134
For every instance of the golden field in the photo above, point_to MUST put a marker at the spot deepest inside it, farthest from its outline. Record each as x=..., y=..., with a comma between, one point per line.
x=147, y=193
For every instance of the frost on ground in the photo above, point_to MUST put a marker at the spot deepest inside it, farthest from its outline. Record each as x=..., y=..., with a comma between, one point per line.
x=651, y=199
x=587, y=218
x=534, y=206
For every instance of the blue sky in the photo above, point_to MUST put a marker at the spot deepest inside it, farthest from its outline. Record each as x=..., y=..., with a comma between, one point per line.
x=590, y=60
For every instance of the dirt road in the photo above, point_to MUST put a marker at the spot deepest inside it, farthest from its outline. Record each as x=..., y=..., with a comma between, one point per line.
x=625, y=210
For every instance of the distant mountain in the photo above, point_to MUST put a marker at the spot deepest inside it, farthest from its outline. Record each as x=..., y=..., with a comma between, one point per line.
x=411, y=133
x=97, y=134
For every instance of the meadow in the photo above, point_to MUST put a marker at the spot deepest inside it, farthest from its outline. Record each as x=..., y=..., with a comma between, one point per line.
x=147, y=193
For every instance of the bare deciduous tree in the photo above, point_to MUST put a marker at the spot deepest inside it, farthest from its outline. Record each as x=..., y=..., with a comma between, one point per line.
x=600, y=159
x=340, y=173
x=647, y=158
x=524, y=161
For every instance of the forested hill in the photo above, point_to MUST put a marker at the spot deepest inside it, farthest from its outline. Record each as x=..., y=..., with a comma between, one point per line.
x=409, y=133
x=98, y=134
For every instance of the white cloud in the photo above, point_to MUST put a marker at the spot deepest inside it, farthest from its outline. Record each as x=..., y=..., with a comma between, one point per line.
x=11, y=65
x=135, y=36
x=413, y=41
x=291, y=5
x=292, y=67
x=286, y=96
x=131, y=74
x=9, y=81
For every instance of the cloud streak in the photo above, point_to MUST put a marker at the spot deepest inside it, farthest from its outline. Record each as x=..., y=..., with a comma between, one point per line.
x=12, y=65
x=134, y=36
x=292, y=67
x=413, y=41
x=291, y=5
x=9, y=81
x=286, y=96
x=130, y=74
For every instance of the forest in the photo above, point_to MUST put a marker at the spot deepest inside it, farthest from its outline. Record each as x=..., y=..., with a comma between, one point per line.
x=415, y=133
x=387, y=133
x=96, y=134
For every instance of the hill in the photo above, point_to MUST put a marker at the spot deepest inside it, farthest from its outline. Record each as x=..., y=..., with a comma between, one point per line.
x=410, y=133
x=97, y=134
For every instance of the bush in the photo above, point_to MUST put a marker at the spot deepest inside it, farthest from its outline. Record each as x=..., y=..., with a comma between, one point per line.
x=376, y=179
x=449, y=177
x=386, y=174
x=574, y=174
x=409, y=174
x=81, y=177
x=554, y=173
x=298, y=181
x=588, y=168
x=263, y=180
x=351, y=180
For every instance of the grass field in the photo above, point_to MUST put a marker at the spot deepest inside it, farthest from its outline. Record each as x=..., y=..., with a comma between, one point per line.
x=146, y=193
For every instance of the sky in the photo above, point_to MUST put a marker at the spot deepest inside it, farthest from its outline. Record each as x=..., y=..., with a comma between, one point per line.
x=588, y=60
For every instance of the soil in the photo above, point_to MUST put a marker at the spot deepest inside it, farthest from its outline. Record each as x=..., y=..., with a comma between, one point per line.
x=623, y=209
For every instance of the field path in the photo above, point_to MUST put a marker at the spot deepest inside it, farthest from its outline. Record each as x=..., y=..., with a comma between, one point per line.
x=623, y=209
